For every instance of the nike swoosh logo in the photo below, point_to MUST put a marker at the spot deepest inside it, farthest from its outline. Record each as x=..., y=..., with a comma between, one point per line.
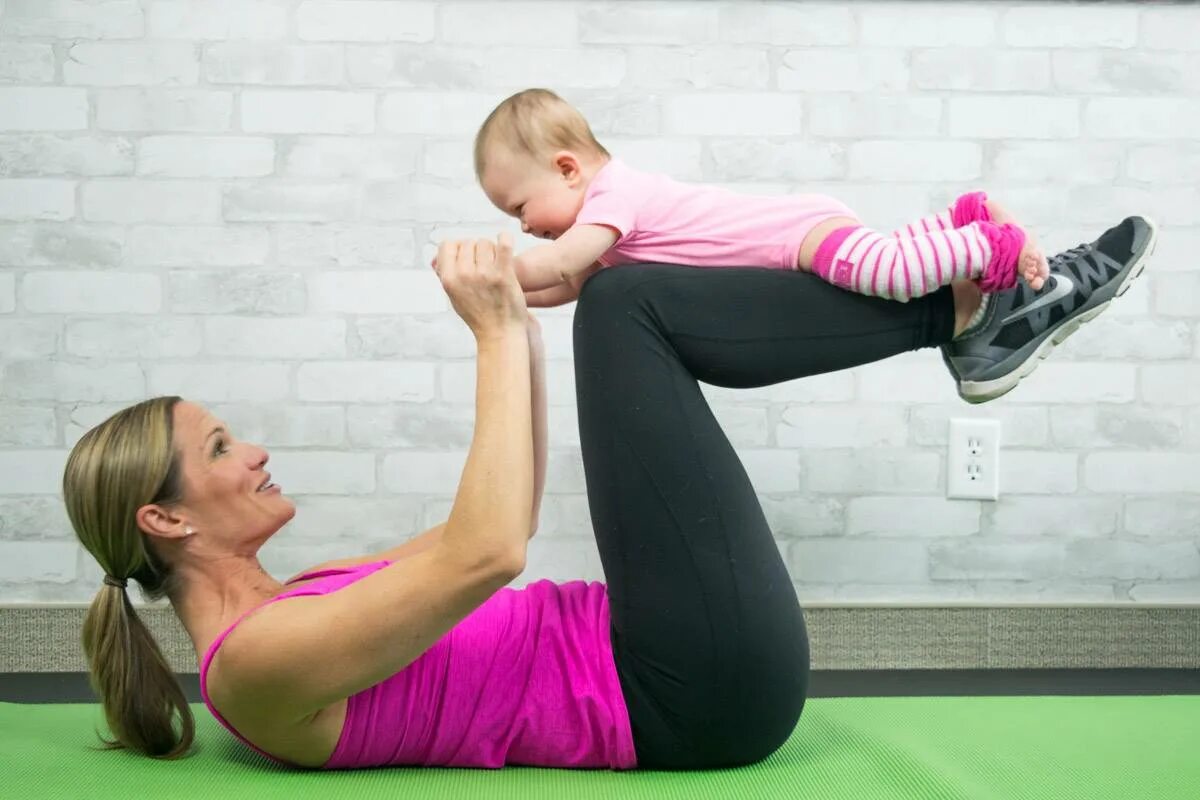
x=1063, y=286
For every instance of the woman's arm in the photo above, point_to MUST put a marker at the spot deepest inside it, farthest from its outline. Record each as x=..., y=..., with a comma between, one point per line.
x=537, y=392
x=537, y=399
x=290, y=660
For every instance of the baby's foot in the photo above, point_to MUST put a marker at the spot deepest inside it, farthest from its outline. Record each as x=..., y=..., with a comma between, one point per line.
x=1031, y=264
x=998, y=213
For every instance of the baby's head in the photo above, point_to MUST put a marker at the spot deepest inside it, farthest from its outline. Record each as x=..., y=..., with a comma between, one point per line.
x=534, y=157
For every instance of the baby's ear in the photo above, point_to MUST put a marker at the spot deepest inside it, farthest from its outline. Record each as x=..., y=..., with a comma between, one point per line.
x=567, y=164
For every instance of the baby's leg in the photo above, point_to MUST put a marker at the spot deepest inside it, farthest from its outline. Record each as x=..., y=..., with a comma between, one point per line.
x=903, y=267
x=976, y=207
x=970, y=207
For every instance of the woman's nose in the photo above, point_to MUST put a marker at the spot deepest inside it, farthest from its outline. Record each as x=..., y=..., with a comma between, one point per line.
x=259, y=456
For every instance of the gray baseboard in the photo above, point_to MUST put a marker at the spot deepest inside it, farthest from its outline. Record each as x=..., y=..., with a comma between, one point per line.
x=72, y=687
x=46, y=638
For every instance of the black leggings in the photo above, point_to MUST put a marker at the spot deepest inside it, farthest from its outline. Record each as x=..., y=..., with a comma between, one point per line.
x=707, y=633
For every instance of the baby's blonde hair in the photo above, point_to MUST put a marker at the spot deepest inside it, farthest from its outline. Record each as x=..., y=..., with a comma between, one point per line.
x=535, y=122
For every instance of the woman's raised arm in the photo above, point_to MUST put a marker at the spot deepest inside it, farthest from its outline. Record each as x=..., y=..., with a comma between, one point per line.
x=537, y=397
x=294, y=659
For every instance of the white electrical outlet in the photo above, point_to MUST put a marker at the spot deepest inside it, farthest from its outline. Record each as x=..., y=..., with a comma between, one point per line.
x=974, y=459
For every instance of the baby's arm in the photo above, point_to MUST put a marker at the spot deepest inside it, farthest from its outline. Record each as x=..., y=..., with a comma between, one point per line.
x=567, y=257
x=563, y=293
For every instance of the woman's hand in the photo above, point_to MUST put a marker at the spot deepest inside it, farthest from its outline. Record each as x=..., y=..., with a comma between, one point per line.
x=479, y=278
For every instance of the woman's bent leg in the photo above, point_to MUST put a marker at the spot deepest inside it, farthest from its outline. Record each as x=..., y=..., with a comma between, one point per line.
x=707, y=632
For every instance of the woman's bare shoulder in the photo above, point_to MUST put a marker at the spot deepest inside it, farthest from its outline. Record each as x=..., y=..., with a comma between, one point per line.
x=247, y=658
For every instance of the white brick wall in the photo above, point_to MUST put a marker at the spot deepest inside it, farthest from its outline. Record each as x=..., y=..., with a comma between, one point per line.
x=365, y=21
x=41, y=154
x=91, y=293
x=218, y=19
x=29, y=426
x=73, y=19
x=185, y=246
x=36, y=198
x=26, y=63
x=278, y=65
x=8, y=293
x=236, y=201
x=163, y=110
x=307, y=112
x=206, y=157
x=129, y=64
x=135, y=201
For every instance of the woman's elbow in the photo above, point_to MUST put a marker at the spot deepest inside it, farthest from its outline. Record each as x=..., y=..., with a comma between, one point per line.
x=510, y=565
x=507, y=562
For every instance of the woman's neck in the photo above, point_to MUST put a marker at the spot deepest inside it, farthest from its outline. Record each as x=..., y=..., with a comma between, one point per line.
x=212, y=595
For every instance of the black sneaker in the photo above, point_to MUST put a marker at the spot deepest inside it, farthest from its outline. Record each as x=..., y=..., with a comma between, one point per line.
x=1021, y=326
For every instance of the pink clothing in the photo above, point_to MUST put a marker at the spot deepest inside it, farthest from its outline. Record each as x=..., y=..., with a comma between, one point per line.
x=658, y=219
x=903, y=267
x=526, y=678
x=967, y=208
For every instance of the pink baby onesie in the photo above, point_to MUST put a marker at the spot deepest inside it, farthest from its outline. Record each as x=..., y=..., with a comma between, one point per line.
x=658, y=219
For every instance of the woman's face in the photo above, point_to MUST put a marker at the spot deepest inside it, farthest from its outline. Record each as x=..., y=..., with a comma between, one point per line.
x=227, y=492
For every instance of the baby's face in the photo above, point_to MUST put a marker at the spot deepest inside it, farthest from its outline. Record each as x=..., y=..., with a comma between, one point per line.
x=545, y=197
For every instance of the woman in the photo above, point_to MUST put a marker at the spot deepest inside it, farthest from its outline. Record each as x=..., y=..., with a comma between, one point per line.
x=695, y=654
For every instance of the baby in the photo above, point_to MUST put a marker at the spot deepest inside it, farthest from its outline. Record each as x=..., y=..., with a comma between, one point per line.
x=537, y=160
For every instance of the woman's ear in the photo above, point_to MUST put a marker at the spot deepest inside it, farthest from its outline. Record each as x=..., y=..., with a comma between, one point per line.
x=156, y=520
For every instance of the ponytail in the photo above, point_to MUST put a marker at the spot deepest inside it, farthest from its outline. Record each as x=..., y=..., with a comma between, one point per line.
x=122, y=464
x=136, y=686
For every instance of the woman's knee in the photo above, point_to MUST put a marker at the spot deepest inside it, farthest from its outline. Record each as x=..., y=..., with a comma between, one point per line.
x=609, y=302
x=612, y=287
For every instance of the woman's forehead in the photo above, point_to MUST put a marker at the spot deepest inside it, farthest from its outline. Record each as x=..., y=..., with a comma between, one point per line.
x=192, y=420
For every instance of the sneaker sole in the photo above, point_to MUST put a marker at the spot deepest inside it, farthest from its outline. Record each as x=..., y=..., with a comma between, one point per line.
x=983, y=391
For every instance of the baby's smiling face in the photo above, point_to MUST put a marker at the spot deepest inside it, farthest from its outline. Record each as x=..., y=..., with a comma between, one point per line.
x=544, y=193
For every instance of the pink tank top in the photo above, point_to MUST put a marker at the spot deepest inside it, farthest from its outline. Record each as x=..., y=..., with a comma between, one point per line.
x=526, y=678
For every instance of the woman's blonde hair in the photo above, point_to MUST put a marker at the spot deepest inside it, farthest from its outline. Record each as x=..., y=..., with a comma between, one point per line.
x=535, y=122
x=118, y=466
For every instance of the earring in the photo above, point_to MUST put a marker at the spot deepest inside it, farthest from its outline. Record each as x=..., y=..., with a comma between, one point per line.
x=187, y=530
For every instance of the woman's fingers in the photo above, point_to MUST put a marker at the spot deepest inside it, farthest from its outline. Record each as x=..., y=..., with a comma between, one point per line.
x=480, y=279
x=504, y=254
x=447, y=257
x=480, y=254
x=485, y=253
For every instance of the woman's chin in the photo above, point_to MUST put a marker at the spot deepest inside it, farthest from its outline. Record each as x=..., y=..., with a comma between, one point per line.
x=287, y=509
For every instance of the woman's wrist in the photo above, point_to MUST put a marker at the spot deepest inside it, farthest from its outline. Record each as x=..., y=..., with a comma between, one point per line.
x=511, y=330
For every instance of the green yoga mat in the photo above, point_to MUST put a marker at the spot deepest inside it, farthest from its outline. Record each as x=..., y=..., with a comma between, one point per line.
x=1043, y=748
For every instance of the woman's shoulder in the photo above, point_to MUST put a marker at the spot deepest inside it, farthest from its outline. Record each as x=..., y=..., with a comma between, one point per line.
x=231, y=681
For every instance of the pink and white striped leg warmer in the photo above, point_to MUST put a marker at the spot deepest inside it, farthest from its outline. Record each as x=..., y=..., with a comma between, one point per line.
x=903, y=267
x=971, y=207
